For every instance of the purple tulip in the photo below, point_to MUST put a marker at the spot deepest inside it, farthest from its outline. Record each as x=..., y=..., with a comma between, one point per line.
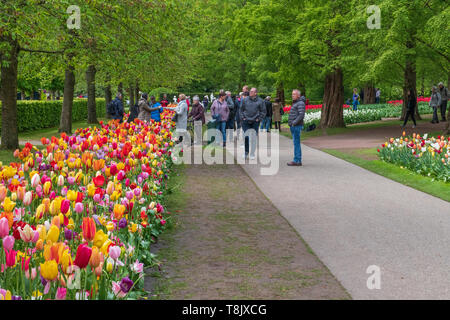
x=123, y=223
x=126, y=284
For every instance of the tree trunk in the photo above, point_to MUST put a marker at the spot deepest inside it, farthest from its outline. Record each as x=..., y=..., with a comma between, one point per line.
x=91, y=103
x=280, y=94
x=132, y=92
x=333, y=101
x=410, y=81
x=69, y=88
x=108, y=94
x=10, y=135
x=136, y=91
x=120, y=88
x=447, y=128
x=369, y=94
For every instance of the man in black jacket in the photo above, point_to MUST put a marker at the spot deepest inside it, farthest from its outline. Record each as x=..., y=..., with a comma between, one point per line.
x=252, y=112
x=296, y=117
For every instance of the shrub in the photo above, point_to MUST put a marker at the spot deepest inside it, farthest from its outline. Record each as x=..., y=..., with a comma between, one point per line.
x=36, y=115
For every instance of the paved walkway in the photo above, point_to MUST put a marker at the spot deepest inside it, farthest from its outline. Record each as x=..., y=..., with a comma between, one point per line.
x=352, y=219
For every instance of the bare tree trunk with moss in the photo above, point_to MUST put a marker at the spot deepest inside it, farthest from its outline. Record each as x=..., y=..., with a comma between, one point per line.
x=333, y=101
x=136, y=91
x=91, y=103
x=69, y=88
x=108, y=95
x=280, y=93
x=132, y=92
x=8, y=85
x=410, y=81
x=369, y=94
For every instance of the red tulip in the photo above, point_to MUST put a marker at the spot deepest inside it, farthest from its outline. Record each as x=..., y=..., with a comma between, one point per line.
x=89, y=229
x=99, y=181
x=83, y=256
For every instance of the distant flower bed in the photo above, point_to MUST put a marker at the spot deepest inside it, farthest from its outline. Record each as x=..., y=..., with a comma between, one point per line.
x=365, y=113
x=425, y=155
x=400, y=102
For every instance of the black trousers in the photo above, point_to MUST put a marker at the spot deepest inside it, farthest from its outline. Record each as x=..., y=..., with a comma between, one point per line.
x=277, y=125
x=443, y=109
x=410, y=112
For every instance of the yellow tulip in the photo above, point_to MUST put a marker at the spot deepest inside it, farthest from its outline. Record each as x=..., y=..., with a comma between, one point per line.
x=66, y=260
x=72, y=195
x=40, y=211
x=53, y=234
x=100, y=238
x=8, y=205
x=109, y=267
x=71, y=224
x=49, y=270
x=105, y=247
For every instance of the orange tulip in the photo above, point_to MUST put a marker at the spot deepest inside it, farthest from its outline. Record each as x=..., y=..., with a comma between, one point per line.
x=119, y=210
x=89, y=229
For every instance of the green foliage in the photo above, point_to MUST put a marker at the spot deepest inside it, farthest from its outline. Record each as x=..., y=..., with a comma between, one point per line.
x=35, y=115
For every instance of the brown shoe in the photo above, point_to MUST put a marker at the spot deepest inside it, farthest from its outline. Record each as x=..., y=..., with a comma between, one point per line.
x=294, y=164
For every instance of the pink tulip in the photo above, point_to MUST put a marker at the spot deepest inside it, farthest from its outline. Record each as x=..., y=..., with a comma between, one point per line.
x=8, y=242
x=79, y=207
x=97, y=197
x=65, y=206
x=61, y=294
x=64, y=191
x=4, y=227
x=137, y=192
x=38, y=188
x=129, y=195
x=28, y=198
x=71, y=180
x=121, y=175
x=114, y=252
x=35, y=180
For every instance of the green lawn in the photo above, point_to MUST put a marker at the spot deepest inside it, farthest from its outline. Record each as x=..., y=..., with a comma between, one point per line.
x=48, y=133
x=360, y=157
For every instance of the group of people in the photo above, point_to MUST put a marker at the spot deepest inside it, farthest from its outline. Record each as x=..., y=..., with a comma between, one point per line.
x=438, y=101
x=247, y=113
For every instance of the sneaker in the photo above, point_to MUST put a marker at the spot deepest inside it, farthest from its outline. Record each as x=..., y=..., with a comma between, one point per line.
x=252, y=157
x=294, y=164
x=242, y=145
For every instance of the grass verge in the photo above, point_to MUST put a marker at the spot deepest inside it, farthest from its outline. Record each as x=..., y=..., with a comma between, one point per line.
x=358, y=157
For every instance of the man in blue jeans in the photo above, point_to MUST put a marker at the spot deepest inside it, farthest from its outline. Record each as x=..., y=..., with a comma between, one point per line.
x=296, y=117
x=252, y=111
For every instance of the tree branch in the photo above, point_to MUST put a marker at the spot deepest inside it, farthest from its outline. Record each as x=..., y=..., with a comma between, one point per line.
x=40, y=51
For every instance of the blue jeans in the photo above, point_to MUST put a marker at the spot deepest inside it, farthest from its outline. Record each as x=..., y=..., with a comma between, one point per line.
x=265, y=124
x=248, y=126
x=222, y=127
x=296, y=135
x=355, y=105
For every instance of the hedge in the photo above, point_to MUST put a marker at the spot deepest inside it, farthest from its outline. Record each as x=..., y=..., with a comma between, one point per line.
x=36, y=115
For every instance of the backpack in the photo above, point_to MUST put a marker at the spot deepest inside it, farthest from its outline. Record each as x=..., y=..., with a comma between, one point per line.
x=111, y=108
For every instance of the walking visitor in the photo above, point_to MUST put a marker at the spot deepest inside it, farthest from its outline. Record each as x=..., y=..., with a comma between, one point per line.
x=435, y=103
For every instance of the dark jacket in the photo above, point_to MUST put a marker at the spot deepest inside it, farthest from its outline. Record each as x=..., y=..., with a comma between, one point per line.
x=269, y=111
x=197, y=113
x=118, y=109
x=297, y=113
x=252, y=109
x=411, y=104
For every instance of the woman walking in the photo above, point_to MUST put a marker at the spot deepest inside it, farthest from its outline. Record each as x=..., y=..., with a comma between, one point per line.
x=277, y=107
x=220, y=113
x=410, y=108
x=181, y=111
x=435, y=103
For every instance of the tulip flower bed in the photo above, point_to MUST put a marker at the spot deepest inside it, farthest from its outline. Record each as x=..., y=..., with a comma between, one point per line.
x=425, y=155
x=365, y=113
x=78, y=217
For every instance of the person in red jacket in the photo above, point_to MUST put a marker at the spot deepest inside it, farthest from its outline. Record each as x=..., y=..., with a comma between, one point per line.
x=164, y=102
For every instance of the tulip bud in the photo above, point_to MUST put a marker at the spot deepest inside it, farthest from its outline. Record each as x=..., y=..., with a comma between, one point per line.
x=94, y=262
